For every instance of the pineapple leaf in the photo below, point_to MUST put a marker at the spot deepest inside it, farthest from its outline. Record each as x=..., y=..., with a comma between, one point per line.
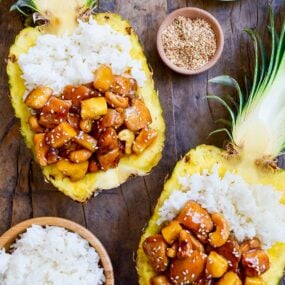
x=92, y=4
x=280, y=51
x=224, y=103
x=229, y=81
x=273, y=49
x=20, y=4
x=256, y=71
x=247, y=86
x=259, y=126
x=224, y=121
x=222, y=130
x=232, y=101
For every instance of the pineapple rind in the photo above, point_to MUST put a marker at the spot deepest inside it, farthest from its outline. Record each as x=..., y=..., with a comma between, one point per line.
x=129, y=165
x=196, y=161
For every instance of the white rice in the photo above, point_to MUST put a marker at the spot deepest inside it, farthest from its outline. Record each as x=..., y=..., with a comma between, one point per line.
x=50, y=256
x=56, y=61
x=251, y=210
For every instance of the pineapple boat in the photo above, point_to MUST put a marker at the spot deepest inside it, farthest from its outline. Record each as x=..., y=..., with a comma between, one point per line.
x=220, y=218
x=82, y=88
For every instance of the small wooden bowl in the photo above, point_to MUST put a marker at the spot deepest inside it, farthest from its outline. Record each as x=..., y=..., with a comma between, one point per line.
x=9, y=237
x=192, y=13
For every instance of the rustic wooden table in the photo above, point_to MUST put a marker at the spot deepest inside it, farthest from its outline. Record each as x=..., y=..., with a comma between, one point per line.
x=118, y=216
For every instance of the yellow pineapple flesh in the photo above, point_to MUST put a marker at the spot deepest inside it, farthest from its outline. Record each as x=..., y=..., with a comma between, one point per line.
x=129, y=165
x=197, y=160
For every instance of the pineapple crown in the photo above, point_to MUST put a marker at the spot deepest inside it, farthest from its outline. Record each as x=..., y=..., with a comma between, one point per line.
x=257, y=120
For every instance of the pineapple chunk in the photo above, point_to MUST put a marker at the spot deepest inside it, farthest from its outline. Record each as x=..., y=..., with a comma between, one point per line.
x=216, y=265
x=172, y=251
x=230, y=278
x=86, y=125
x=93, y=108
x=171, y=232
x=34, y=124
x=143, y=140
x=41, y=149
x=60, y=135
x=254, y=281
x=103, y=78
x=38, y=97
x=86, y=141
x=75, y=171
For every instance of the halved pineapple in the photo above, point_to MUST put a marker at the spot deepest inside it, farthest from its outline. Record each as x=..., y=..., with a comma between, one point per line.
x=257, y=137
x=62, y=17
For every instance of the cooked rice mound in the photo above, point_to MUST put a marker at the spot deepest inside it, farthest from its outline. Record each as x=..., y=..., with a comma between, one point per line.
x=56, y=61
x=50, y=256
x=251, y=210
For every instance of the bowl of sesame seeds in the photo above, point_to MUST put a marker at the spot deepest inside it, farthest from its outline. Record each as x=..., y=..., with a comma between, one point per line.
x=190, y=41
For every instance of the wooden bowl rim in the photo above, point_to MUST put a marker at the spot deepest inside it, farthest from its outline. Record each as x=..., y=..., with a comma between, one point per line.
x=197, y=12
x=13, y=233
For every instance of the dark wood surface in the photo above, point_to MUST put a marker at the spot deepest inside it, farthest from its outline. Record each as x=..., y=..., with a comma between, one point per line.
x=118, y=216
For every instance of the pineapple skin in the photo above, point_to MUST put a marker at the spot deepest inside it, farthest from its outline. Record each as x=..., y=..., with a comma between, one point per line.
x=196, y=161
x=129, y=165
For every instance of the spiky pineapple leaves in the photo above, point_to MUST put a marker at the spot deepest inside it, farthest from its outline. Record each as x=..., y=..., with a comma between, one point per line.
x=228, y=81
x=261, y=106
x=50, y=13
x=21, y=5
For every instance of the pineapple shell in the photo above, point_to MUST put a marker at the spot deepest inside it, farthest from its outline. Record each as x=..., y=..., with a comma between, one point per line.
x=204, y=157
x=129, y=165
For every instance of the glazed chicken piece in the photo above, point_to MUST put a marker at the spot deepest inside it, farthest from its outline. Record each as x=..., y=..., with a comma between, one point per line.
x=76, y=94
x=123, y=85
x=54, y=112
x=112, y=119
x=108, y=140
x=137, y=116
x=156, y=250
x=116, y=100
x=231, y=251
x=109, y=159
x=255, y=262
x=187, y=270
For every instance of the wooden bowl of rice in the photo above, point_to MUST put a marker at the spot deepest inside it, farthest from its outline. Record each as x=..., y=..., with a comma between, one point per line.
x=10, y=237
x=190, y=41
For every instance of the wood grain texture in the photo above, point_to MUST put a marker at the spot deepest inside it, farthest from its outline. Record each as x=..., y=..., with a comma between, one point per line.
x=118, y=216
